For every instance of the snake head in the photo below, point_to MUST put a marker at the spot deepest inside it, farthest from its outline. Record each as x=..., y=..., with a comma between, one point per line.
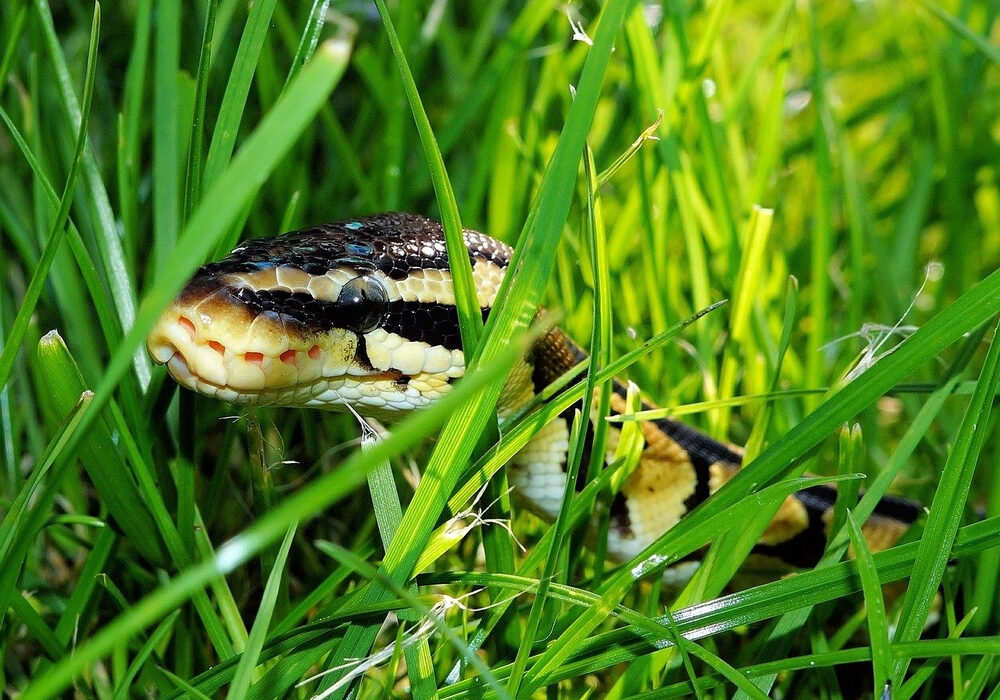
x=360, y=312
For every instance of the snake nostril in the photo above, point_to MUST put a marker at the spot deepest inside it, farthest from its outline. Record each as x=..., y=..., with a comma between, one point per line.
x=254, y=358
x=288, y=357
x=217, y=346
x=185, y=323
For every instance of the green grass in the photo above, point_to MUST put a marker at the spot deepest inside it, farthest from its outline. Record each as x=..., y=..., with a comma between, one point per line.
x=689, y=154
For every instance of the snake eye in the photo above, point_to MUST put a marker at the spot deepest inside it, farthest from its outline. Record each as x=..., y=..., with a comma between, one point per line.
x=362, y=304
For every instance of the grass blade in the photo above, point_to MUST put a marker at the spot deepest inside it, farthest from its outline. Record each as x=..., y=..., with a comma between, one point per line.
x=258, y=633
x=237, y=89
x=15, y=338
x=519, y=296
x=948, y=507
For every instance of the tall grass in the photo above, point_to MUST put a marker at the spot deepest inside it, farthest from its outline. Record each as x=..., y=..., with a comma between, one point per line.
x=829, y=168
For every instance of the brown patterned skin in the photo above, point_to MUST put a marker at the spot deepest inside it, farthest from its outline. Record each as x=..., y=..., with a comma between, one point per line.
x=362, y=312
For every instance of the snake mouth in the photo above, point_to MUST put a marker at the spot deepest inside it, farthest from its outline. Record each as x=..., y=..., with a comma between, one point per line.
x=217, y=354
x=306, y=373
x=298, y=394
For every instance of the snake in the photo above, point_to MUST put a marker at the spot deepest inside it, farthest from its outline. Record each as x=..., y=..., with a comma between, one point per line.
x=361, y=315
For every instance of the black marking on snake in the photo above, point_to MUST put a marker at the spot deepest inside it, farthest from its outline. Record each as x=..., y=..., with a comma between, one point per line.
x=396, y=244
x=619, y=513
x=361, y=357
x=428, y=322
x=805, y=548
x=702, y=451
x=588, y=449
x=568, y=416
x=895, y=508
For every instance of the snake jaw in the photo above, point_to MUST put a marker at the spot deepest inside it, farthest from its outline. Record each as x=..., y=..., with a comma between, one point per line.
x=208, y=346
x=179, y=340
x=217, y=348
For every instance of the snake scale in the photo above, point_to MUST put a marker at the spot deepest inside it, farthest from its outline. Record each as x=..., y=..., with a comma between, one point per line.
x=362, y=313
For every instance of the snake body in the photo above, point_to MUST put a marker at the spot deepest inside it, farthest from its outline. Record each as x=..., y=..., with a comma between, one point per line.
x=362, y=313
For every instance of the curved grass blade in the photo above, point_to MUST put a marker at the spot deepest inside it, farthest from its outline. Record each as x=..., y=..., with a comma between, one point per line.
x=469, y=315
x=99, y=453
x=878, y=627
x=167, y=100
x=237, y=89
x=116, y=271
x=948, y=506
x=261, y=623
x=12, y=344
x=142, y=656
x=300, y=507
x=309, y=39
x=519, y=297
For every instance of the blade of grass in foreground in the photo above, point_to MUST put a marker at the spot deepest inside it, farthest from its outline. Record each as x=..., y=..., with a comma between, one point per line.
x=467, y=304
x=235, y=98
x=969, y=311
x=12, y=344
x=519, y=298
x=192, y=169
x=948, y=507
x=100, y=453
x=167, y=98
x=223, y=203
x=95, y=195
x=145, y=651
x=130, y=122
x=309, y=39
x=600, y=349
x=74, y=612
x=878, y=623
x=469, y=316
x=601, y=339
x=248, y=661
x=298, y=508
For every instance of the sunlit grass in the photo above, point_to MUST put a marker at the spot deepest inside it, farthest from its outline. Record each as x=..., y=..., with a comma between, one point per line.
x=734, y=146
